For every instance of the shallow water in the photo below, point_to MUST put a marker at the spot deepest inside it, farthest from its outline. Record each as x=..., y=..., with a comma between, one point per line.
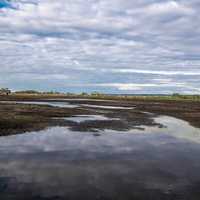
x=108, y=107
x=177, y=128
x=82, y=99
x=48, y=103
x=57, y=163
x=83, y=118
x=62, y=138
x=65, y=103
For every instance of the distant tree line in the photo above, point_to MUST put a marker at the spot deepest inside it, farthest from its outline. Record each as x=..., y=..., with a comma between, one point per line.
x=182, y=96
x=95, y=94
x=27, y=92
x=175, y=96
x=36, y=92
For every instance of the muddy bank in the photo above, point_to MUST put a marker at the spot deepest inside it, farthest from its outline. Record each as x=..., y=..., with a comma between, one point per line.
x=18, y=118
x=28, y=116
x=186, y=110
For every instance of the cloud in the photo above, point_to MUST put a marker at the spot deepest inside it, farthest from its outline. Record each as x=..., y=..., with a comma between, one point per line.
x=156, y=72
x=169, y=7
x=97, y=41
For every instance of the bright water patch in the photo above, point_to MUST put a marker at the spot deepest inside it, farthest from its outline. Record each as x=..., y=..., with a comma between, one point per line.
x=178, y=128
x=82, y=99
x=65, y=104
x=83, y=118
x=108, y=107
x=47, y=103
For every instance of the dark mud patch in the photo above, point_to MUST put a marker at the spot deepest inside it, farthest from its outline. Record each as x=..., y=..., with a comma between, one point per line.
x=119, y=121
x=19, y=118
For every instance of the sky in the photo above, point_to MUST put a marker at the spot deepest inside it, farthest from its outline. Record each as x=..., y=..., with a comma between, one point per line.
x=110, y=46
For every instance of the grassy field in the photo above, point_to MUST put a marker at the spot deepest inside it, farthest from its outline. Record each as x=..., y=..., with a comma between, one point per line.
x=174, y=97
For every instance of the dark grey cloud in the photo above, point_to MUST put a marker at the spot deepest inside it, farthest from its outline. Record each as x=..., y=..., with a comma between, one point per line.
x=117, y=45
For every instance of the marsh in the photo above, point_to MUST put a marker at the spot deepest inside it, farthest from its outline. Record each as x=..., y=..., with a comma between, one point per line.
x=90, y=149
x=99, y=99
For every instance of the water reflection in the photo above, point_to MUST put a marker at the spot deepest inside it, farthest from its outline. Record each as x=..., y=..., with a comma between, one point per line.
x=83, y=118
x=67, y=103
x=58, y=163
x=179, y=128
x=82, y=99
x=47, y=103
x=62, y=138
x=108, y=107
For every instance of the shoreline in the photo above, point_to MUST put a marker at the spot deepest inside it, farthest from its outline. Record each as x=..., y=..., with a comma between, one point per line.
x=19, y=118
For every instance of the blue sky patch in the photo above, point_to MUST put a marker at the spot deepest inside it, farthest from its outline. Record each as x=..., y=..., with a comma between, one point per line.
x=4, y=4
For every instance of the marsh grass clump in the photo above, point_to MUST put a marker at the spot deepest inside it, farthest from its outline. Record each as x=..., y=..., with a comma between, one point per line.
x=16, y=123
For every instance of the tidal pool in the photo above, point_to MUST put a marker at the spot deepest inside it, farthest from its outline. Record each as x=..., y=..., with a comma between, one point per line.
x=57, y=163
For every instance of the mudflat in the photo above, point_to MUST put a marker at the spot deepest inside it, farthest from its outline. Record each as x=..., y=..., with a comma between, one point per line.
x=30, y=113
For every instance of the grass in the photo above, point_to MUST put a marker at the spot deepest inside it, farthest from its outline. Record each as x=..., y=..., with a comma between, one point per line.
x=174, y=97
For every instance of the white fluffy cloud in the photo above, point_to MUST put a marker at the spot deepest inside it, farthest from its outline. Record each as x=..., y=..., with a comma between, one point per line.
x=56, y=43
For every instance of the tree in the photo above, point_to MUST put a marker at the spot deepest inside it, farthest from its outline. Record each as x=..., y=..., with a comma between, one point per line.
x=84, y=94
x=96, y=94
x=27, y=92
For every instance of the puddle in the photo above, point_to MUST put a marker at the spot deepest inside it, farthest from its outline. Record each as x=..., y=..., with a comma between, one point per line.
x=63, y=104
x=58, y=163
x=83, y=118
x=82, y=99
x=47, y=103
x=108, y=107
x=179, y=128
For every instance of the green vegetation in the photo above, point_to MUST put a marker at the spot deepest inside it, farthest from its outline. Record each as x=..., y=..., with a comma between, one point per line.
x=27, y=92
x=36, y=92
x=173, y=97
x=96, y=95
x=187, y=97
